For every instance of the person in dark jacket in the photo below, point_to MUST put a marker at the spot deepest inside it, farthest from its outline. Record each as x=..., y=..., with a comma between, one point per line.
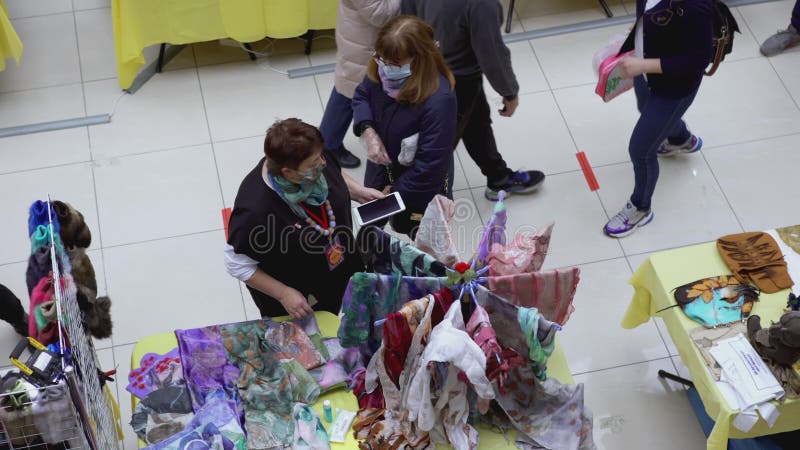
x=468, y=32
x=290, y=237
x=672, y=43
x=11, y=311
x=405, y=113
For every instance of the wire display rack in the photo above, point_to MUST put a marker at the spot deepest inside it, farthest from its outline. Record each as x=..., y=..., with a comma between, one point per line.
x=73, y=413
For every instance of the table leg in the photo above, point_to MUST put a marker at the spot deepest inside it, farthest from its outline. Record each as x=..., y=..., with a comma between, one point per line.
x=250, y=53
x=605, y=8
x=510, y=15
x=309, y=38
x=673, y=377
x=160, y=65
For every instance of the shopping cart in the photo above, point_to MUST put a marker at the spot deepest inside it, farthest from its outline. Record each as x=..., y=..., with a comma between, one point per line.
x=74, y=410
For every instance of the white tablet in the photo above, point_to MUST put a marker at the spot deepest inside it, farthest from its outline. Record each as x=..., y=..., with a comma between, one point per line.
x=378, y=209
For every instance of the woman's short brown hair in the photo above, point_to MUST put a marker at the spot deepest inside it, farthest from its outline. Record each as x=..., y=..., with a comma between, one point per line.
x=405, y=37
x=289, y=142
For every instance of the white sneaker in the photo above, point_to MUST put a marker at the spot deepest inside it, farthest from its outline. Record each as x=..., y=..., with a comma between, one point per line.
x=627, y=221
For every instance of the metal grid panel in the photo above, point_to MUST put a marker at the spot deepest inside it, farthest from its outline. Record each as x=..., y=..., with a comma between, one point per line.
x=84, y=357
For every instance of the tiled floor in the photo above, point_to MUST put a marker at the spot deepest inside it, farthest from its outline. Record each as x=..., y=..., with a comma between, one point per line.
x=152, y=182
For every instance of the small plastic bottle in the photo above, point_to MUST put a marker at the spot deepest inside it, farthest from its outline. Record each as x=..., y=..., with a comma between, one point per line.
x=327, y=409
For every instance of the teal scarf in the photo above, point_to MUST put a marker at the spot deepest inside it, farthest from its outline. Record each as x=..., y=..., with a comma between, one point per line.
x=313, y=194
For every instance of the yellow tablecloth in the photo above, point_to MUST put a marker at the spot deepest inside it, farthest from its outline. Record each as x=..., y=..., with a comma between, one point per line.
x=141, y=23
x=10, y=45
x=329, y=325
x=654, y=281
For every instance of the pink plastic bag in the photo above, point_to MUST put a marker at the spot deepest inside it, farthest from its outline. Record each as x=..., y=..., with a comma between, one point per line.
x=610, y=83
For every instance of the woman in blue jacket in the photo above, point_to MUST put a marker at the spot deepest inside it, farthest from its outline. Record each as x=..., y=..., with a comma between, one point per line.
x=405, y=113
x=672, y=42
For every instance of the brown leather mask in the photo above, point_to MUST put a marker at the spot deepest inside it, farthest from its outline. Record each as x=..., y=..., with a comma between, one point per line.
x=755, y=257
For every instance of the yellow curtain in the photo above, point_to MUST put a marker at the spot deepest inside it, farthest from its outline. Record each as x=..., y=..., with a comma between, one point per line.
x=141, y=23
x=10, y=45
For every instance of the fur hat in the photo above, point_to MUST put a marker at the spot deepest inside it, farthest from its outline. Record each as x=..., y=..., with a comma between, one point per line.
x=97, y=318
x=83, y=272
x=74, y=232
x=780, y=342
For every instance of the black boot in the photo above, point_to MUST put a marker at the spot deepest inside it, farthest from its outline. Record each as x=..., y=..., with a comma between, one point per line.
x=346, y=159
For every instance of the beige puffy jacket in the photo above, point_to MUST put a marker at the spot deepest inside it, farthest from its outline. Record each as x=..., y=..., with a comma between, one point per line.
x=357, y=25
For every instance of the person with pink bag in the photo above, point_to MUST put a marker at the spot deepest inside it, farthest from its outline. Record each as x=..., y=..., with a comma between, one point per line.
x=672, y=44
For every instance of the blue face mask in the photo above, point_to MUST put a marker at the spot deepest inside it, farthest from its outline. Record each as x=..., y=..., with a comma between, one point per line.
x=395, y=73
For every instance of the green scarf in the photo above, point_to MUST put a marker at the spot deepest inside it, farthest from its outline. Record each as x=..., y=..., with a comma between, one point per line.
x=313, y=194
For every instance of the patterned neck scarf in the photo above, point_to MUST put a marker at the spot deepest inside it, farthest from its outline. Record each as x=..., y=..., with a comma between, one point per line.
x=313, y=194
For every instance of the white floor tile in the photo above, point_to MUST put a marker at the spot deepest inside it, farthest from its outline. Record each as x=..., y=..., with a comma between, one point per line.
x=744, y=44
x=579, y=217
x=682, y=370
x=757, y=177
x=603, y=292
x=662, y=328
x=80, y=5
x=235, y=159
x=325, y=83
x=41, y=105
x=764, y=19
x=12, y=276
x=122, y=357
x=534, y=138
x=323, y=52
x=167, y=112
x=158, y=195
x=688, y=204
x=31, y=151
x=72, y=184
x=244, y=99
x=175, y=283
x=50, y=56
x=251, y=311
x=551, y=13
x=788, y=67
x=96, y=44
x=601, y=130
x=636, y=261
x=526, y=67
x=718, y=115
x=632, y=407
x=567, y=59
x=28, y=8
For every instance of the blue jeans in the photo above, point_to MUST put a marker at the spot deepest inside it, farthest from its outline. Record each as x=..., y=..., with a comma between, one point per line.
x=796, y=15
x=336, y=120
x=660, y=119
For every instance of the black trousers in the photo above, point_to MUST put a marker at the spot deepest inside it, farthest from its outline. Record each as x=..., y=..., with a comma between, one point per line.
x=475, y=128
x=10, y=307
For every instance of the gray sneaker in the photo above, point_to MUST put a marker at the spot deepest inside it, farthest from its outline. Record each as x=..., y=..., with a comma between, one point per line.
x=780, y=41
x=627, y=220
x=693, y=144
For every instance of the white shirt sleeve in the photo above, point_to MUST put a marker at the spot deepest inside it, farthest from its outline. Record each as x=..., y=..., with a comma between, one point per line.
x=241, y=267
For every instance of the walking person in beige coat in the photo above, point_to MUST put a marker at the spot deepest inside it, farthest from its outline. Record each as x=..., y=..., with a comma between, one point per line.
x=356, y=28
